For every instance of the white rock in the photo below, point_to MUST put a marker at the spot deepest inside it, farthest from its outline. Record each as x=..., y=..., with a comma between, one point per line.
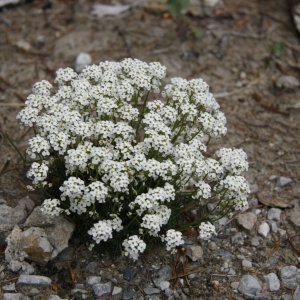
x=82, y=60
x=273, y=282
x=264, y=229
x=101, y=10
x=287, y=82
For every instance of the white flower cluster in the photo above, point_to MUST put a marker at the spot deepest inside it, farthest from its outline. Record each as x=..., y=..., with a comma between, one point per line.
x=206, y=230
x=173, y=239
x=134, y=246
x=114, y=146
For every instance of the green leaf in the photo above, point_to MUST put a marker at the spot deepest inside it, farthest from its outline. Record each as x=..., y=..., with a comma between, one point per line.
x=198, y=32
x=177, y=6
x=277, y=48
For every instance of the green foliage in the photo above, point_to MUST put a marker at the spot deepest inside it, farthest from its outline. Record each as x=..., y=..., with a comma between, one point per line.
x=277, y=48
x=198, y=32
x=177, y=6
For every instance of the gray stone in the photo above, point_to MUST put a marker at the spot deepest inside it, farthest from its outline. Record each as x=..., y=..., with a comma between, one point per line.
x=273, y=282
x=34, y=280
x=58, y=229
x=283, y=181
x=127, y=295
x=92, y=267
x=195, y=252
x=231, y=272
x=14, y=296
x=151, y=290
x=274, y=214
x=9, y=287
x=287, y=82
x=8, y=2
x=294, y=213
x=249, y=285
x=264, y=229
x=246, y=263
x=237, y=239
x=42, y=239
x=116, y=291
x=288, y=276
x=211, y=3
x=54, y=297
x=79, y=291
x=165, y=273
x=163, y=285
x=247, y=220
x=274, y=226
x=296, y=295
x=255, y=241
x=33, y=292
x=102, y=288
x=91, y=280
x=82, y=60
x=11, y=216
x=129, y=274
x=234, y=285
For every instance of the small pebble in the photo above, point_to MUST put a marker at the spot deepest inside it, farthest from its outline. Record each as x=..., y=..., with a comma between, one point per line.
x=249, y=285
x=82, y=60
x=283, y=181
x=163, y=285
x=34, y=280
x=273, y=282
x=264, y=229
x=91, y=280
x=116, y=291
x=274, y=214
x=246, y=264
x=101, y=289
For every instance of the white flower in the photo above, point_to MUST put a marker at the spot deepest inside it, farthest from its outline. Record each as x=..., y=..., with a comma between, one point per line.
x=233, y=161
x=38, y=147
x=134, y=246
x=38, y=172
x=51, y=207
x=128, y=161
x=101, y=231
x=206, y=231
x=172, y=239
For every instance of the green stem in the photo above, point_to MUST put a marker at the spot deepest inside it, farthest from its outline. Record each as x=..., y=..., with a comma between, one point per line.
x=16, y=148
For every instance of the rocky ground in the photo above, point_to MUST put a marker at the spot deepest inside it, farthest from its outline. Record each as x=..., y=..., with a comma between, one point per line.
x=249, y=53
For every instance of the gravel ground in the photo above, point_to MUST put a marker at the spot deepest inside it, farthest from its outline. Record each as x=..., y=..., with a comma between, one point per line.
x=249, y=53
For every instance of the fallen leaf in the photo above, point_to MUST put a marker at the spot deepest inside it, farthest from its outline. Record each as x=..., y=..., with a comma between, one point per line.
x=269, y=200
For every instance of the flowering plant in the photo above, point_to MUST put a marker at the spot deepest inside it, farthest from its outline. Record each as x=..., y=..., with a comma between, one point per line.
x=126, y=166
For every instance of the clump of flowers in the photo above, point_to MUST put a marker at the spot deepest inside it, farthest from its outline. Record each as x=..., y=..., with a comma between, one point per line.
x=121, y=153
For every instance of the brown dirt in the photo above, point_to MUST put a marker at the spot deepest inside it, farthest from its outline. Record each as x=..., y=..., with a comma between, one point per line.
x=234, y=56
